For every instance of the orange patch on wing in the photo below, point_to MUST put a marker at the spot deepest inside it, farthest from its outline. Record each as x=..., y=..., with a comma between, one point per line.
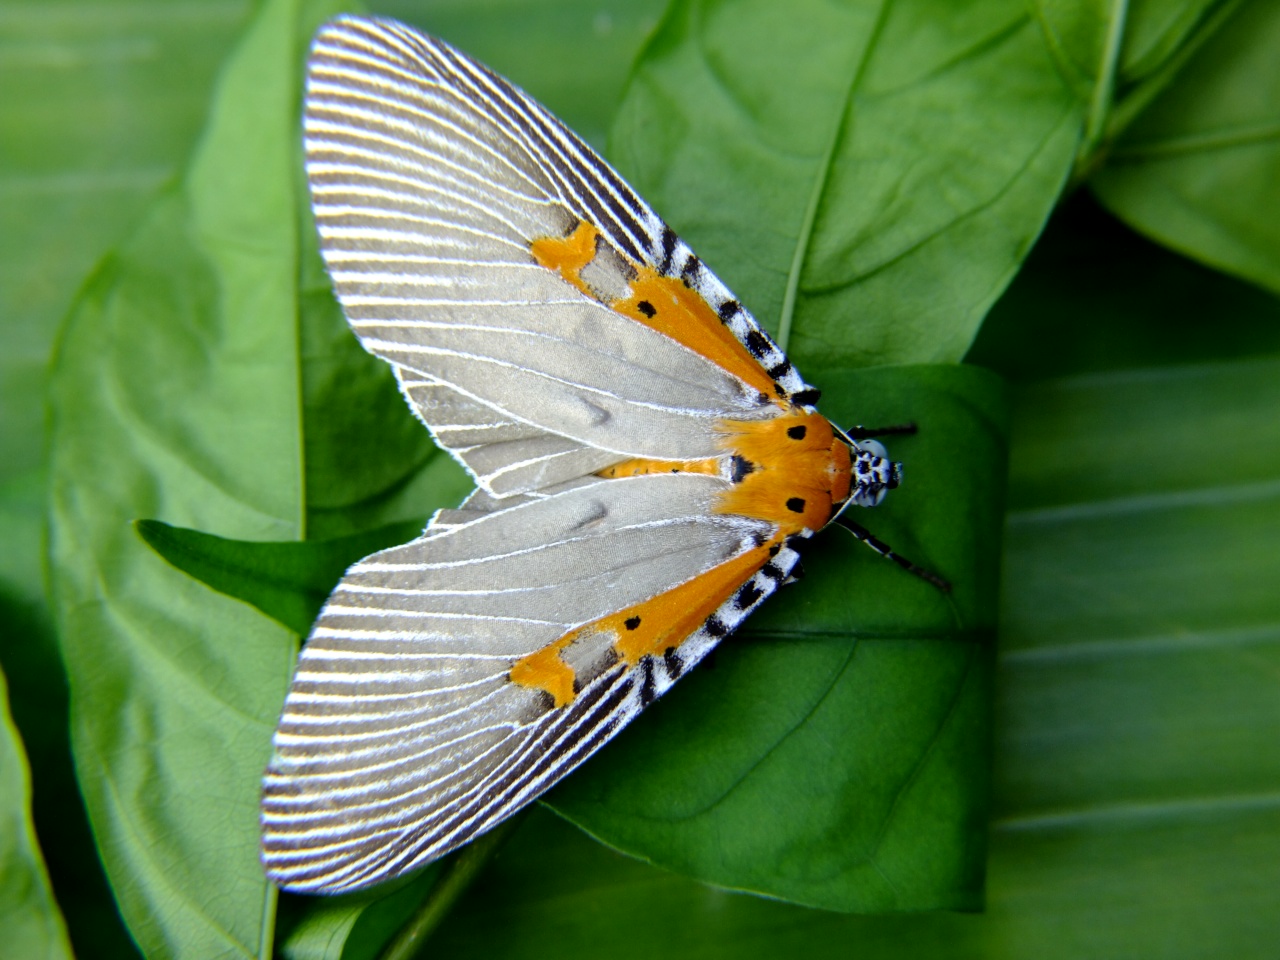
x=649, y=628
x=544, y=670
x=666, y=621
x=662, y=303
x=679, y=312
x=641, y=466
x=568, y=255
x=800, y=470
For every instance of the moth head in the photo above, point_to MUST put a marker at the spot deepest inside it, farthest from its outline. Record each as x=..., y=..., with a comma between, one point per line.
x=872, y=472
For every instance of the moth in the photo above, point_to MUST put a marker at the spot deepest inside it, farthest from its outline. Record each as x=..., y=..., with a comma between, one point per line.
x=646, y=460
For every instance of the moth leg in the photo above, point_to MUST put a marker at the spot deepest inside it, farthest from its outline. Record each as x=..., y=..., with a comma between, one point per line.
x=879, y=546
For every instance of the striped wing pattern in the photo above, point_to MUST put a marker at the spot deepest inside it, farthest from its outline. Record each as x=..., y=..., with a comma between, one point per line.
x=403, y=734
x=402, y=737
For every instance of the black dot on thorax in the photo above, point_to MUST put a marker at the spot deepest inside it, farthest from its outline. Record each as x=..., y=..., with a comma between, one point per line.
x=631, y=623
x=797, y=432
x=647, y=308
x=796, y=504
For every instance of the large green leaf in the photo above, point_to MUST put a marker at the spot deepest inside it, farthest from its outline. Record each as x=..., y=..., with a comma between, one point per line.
x=176, y=395
x=33, y=927
x=101, y=104
x=837, y=754
x=888, y=164
x=355, y=926
x=1137, y=709
x=1196, y=170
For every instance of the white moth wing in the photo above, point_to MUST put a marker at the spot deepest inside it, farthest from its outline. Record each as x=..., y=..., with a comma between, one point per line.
x=403, y=735
x=505, y=456
x=428, y=190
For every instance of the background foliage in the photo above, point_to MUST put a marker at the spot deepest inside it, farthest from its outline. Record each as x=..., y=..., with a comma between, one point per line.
x=1133, y=804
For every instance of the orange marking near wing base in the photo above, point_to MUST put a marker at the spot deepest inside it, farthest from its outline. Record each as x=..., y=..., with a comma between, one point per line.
x=664, y=304
x=544, y=670
x=568, y=255
x=640, y=467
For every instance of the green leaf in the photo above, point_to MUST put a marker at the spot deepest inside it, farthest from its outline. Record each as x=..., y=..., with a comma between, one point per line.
x=356, y=926
x=102, y=104
x=33, y=926
x=176, y=394
x=1196, y=170
x=1120, y=44
x=867, y=177
x=837, y=754
x=289, y=581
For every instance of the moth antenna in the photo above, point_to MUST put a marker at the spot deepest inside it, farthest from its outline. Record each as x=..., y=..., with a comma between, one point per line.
x=866, y=433
x=879, y=546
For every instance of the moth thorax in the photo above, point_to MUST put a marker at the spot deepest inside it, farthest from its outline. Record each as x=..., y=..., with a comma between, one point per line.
x=874, y=474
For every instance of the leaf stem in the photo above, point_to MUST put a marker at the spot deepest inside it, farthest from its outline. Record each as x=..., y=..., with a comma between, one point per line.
x=1142, y=95
x=1093, y=152
x=457, y=876
x=266, y=940
x=1100, y=103
x=787, y=313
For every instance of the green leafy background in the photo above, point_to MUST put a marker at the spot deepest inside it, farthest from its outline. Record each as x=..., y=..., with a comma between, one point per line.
x=1132, y=803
